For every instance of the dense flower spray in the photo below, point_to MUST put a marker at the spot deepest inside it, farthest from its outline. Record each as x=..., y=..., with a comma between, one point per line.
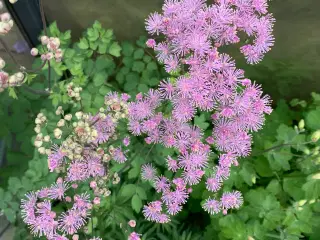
x=192, y=34
x=80, y=148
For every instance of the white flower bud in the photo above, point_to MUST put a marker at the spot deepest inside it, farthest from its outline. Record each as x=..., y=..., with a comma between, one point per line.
x=68, y=117
x=46, y=138
x=34, y=52
x=74, y=124
x=5, y=27
x=2, y=63
x=49, y=56
x=13, y=1
x=12, y=80
x=61, y=123
x=42, y=150
x=57, y=133
x=37, y=121
x=44, y=40
x=38, y=143
x=79, y=115
x=48, y=151
x=5, y=17
x=19, y=76
x=37, y=129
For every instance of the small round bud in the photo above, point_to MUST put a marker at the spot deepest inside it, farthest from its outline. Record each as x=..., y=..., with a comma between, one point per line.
x=68, y=117
x=43, y=57
x=38, y=143
x=75, y=237
x=37, y=121
x=42, y=150
x=93, y=184
x=44, y=40
x=79, y=115
x=34, y=52
x=132, y=223
x=46, y=138
x=96, y=201
x=301, y=124
x=315, y=136
x=61, y=123
x=49, y=56
x=57, y=133
x=13, y=1
x=2, y=63
x=19, y=76
x=37, y=129
x=5, y=17
x=48, y=151
x=68, y=199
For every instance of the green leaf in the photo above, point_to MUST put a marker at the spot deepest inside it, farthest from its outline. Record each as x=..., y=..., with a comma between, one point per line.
x=143, y=88
x=248, y=173
x=274, y=187
x=312, y=189
x=104, y=90
x=152, y=66
x=10, y=214
x=128, y=190
x=138, y=66
x=53, y=28
x=120, y=78
x=127, y=48
x=115, y=49
x=292, y=185
x=100, y=78
x=83, y=44
x=138, y=54
x=98, y=101
x=14, y=184
x=12, y=93
x=141, y=193
x=136, y=203
x=200, y=121
x=313, y=119
x=128, y=62
x=134, y=172
x=97, y=25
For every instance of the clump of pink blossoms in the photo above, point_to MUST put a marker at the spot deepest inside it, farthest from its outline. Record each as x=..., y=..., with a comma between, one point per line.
x=87, y=144
x=193, y=33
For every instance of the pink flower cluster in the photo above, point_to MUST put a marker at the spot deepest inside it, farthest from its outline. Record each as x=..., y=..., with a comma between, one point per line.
x=193, y=34
x=37, y=212
x=85, y=153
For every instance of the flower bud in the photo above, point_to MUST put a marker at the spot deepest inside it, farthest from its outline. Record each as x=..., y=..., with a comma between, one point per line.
x=46, y=138
x=48, y=151
x=42, y=150
x=315, y=136
x=49, y=56
x=5, y=28
x=5, y=17
x=151, y=43
x=37, y=129
x=19, y=76
x=34, y=52
x=75, y=237
x=132, y=223
x=13, y=1
x=79, y=115
x=57, y=133
x=61, y=123
x=2, y=63
x=96, y=201
x=12, y=80
x=37, y=121
x=38, y=143
x=301, y=124
x=68, y=117
x=43, y=57
x=93, y=184
x=44, y=40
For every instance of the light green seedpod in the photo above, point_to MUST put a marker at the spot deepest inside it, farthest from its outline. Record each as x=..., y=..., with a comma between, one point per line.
x=315, y=136
x=301, y=124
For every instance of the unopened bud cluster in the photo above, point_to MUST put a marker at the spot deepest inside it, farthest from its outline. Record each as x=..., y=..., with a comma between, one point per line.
x=7, y=80
x=53, y=49
x=74, y=92
x=6, y=23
